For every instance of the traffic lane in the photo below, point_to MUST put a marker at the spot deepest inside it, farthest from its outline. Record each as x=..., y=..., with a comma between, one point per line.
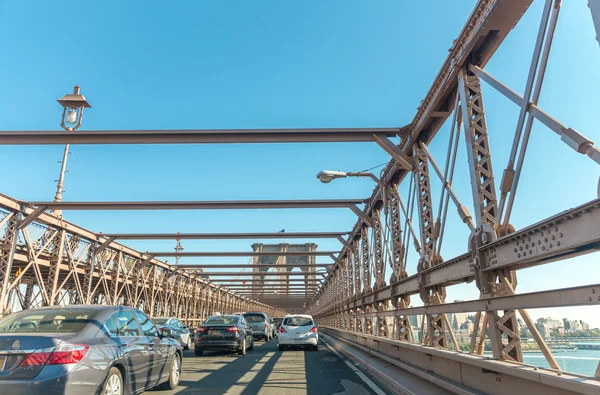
x=267, y=371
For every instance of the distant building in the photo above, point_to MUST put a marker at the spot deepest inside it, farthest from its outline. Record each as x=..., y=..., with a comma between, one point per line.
x=462, y=336
x=575, y=325
x=544, y=329
x=554, y=323
x=414, y=321
x=457, y=319
x=470, y=328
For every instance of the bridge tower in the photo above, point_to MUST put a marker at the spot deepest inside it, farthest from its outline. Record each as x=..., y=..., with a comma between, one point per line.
x=283, y=264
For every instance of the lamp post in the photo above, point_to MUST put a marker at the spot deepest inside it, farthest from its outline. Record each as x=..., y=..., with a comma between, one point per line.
x=178, y=248
x=73, y=105
x=326, y=176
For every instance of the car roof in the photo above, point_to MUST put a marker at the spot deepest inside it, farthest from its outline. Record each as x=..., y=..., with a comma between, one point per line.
x=84, y=307
x=298, y=315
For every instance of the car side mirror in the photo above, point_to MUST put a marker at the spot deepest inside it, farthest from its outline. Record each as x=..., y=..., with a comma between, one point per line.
x=165, y=333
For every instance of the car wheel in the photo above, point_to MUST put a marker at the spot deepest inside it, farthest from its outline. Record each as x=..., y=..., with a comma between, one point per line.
x=189, y=343
x=316, y=347
x=280, y=347
x=198, y=352
x=266, y=338
x=114, y=383
x=242, y=349
x=174, y=374
x=251, y=344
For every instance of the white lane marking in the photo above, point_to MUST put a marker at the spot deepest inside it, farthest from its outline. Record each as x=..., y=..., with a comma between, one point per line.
x=360, y=374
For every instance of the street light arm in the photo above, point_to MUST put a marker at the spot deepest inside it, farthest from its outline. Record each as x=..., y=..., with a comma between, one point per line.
x=384, y=191
x=366, y=174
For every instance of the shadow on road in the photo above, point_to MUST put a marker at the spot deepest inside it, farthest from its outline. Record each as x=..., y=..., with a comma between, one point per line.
x=225, y=372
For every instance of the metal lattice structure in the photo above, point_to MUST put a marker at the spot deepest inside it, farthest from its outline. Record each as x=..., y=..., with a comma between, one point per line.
x=496, y=250
x=50, y=261
x=44, y=260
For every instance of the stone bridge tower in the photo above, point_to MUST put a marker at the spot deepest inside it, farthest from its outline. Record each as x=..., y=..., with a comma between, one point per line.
x=283, y=264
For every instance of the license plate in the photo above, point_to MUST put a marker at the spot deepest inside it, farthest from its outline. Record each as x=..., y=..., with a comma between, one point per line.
x=216, y=333
x=2, y=362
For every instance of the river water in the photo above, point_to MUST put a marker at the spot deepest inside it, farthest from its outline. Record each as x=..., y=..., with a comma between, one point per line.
x=575, y=361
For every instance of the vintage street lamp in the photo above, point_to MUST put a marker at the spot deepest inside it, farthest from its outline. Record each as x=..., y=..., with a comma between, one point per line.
x=73, y=105
x=326, y=176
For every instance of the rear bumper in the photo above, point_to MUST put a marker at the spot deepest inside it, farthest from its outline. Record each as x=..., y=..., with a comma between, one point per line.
x=303, y=341
x=258, y=333
x=50, y=386
x=218, y=345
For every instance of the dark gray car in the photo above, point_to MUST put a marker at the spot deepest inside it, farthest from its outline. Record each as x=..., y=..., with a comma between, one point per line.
x=85, y=350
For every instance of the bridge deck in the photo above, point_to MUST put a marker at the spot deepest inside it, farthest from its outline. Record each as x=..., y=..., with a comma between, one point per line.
x=267, y=371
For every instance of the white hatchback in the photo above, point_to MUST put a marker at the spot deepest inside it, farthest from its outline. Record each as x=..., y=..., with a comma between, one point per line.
x=298, y=330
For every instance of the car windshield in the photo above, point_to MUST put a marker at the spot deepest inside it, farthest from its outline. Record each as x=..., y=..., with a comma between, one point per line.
x=55, y=320
x=160, y=321
x=221, y=320
x=254, y=318
x=298, y=321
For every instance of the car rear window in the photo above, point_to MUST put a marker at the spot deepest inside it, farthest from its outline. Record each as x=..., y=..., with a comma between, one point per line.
x=220, y=320
x=59, y=320
x=160, y=321
x=254, y=317
x=298, y=321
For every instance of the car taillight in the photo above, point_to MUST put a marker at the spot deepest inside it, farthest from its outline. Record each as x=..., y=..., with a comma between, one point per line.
x=266, y=326
x=233, y=329
x=313, y=330
x=37, y=358
x=201, y=330
x=62, y=355
x=282, y=330
x=67, y=354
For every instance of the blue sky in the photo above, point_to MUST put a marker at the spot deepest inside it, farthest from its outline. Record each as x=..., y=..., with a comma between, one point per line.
x=271, y=64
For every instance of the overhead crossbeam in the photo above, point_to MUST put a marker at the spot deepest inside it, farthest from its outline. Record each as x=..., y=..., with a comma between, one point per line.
x=266, y=292
x=242, y=253
x=260, y=288
x=198, y=136
x=227, y=236
x=245, y=265
x=200, y=205
x=245, y=274
x=273, y=281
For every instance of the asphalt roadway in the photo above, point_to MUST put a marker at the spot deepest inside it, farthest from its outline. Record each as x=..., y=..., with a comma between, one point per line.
x=267, y=371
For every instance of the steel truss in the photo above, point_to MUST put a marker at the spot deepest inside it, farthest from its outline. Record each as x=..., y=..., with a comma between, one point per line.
x=496, y=250
x=50, y=261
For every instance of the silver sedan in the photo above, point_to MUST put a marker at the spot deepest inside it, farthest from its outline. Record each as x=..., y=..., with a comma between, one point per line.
x=85, y=350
